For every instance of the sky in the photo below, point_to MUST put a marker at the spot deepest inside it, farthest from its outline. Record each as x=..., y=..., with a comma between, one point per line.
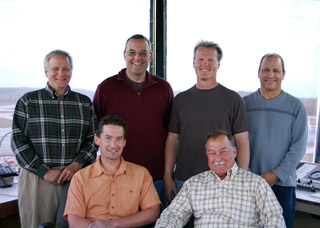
x=246, y=30
x=94, y=33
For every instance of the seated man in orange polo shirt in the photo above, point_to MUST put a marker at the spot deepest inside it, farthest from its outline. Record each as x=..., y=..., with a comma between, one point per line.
x=112, y=192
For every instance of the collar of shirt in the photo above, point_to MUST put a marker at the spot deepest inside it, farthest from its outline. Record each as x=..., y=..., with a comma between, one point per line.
x=53, y=93
x=136, y=85
x=230, y=173
x=99, y=169
x=147, y=82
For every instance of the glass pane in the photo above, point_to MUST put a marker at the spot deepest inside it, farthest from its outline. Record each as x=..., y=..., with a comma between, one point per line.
x=93, y=32
x=246, y=30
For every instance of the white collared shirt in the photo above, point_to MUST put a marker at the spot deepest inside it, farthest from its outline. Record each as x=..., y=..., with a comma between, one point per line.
x=241, y=199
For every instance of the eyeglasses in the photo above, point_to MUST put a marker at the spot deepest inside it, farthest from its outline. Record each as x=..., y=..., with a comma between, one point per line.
x=141, y=53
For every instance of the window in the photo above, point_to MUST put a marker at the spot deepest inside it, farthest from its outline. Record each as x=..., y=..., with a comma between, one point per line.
x=246, y=30
x=93, y=32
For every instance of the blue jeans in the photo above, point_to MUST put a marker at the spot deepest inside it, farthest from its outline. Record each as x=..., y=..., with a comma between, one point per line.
x=287, y=199
x=179, y=184
x=159, y=185
x=63, y=200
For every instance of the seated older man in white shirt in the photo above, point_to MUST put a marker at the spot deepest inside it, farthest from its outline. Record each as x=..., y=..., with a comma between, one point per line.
x=225, y=196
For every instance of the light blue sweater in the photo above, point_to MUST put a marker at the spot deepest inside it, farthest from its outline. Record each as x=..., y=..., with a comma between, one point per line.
x=278, y=135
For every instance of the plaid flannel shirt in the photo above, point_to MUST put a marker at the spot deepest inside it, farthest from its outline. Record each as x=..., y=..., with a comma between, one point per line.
x=51, y=132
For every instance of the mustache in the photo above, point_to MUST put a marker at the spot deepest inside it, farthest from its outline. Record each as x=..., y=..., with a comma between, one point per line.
x=219, y=163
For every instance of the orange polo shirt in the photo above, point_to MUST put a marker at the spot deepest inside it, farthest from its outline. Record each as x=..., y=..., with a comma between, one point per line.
x=97, y=195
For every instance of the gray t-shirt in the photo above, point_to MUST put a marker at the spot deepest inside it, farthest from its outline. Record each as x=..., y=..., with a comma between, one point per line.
x=196, y=113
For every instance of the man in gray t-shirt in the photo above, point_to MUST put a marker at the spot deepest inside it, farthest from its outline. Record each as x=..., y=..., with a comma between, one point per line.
x=205, y=107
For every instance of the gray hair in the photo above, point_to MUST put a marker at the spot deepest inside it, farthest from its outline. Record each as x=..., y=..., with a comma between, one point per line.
x=215, y=134
x=54, y=53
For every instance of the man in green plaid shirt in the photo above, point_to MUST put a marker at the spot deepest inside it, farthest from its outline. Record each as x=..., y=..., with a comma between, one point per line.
x=52, y=138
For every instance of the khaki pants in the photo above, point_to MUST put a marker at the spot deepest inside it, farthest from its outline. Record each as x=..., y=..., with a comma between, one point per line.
x=38, y=200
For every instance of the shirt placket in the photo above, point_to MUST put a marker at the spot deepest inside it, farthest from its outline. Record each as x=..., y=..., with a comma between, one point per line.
x=113, y=196
x=63, y=128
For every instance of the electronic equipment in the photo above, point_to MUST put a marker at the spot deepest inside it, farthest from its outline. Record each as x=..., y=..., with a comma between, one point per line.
x=6, y=170
x=308, y=177
x=308, y=185
x=6, y=175
x=315, y=175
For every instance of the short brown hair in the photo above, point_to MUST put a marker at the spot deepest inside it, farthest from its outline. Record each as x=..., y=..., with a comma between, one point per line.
x=137, y=37
x=112, y=120
x=269, y=55
x=208, y=44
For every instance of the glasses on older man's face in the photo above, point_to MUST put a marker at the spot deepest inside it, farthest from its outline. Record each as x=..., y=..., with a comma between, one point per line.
x=132, y=53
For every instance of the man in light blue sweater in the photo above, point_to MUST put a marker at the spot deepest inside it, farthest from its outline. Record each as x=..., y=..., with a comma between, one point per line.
x=278, y=133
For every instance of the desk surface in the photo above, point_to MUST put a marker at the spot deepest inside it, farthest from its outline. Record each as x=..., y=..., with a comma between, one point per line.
x=307, y=203
x=9, y=194
x=308, y=196
x=9, y=200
